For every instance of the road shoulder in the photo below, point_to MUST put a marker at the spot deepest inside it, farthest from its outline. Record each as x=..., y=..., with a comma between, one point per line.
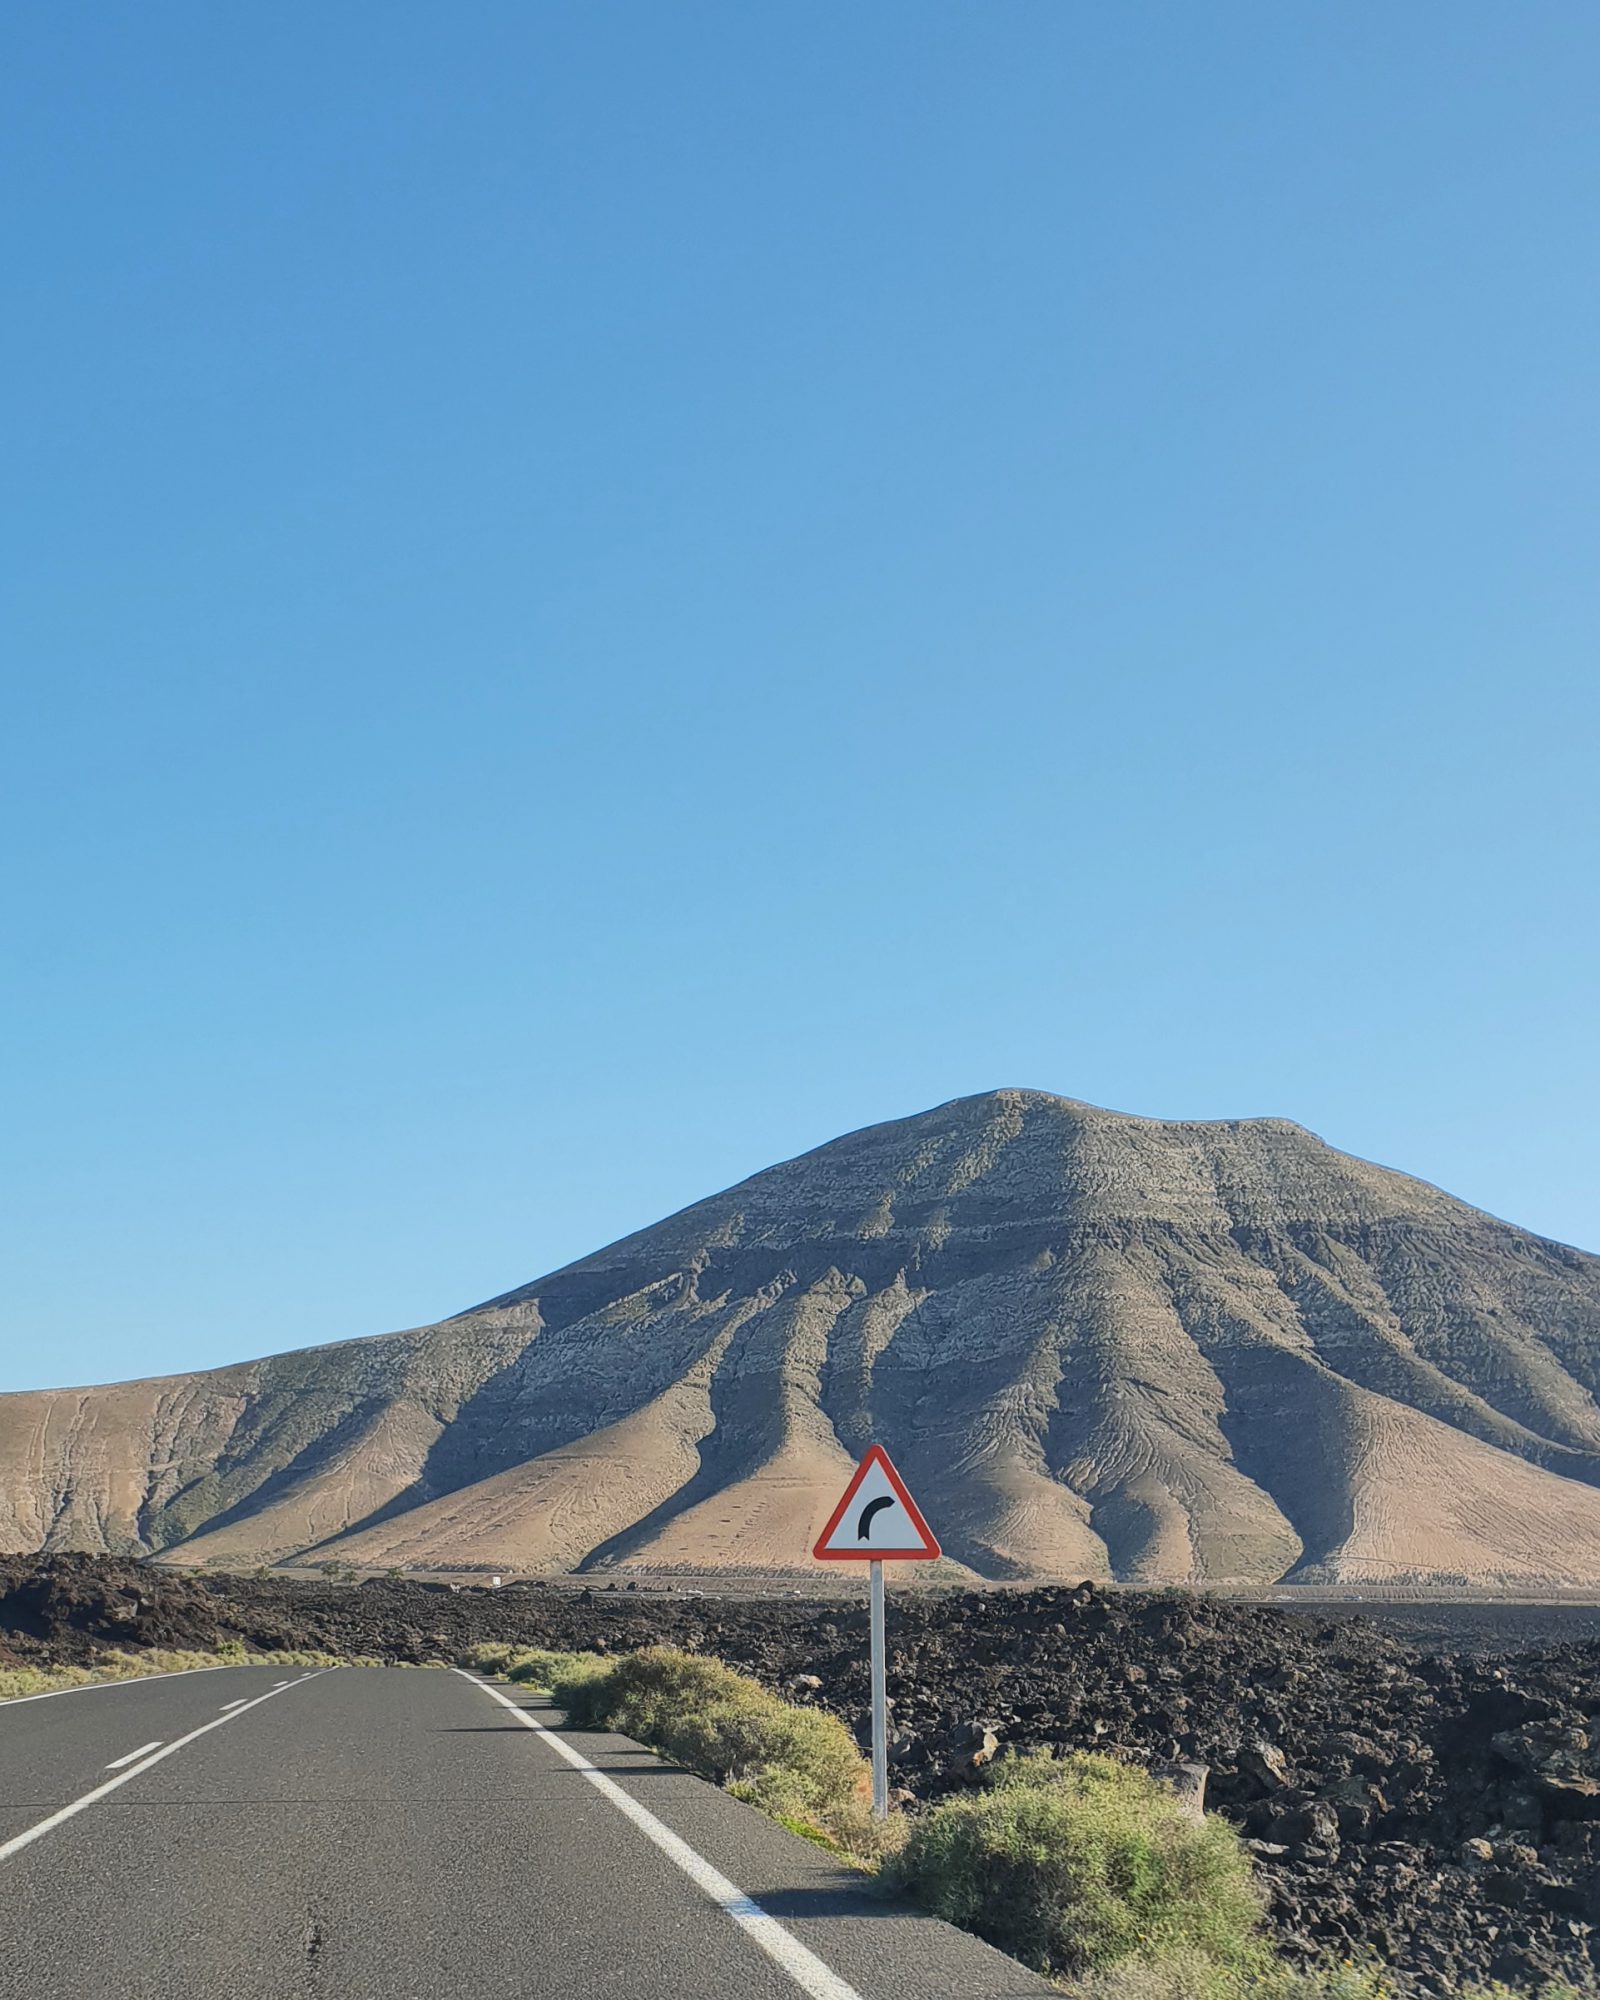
x=885, y=1948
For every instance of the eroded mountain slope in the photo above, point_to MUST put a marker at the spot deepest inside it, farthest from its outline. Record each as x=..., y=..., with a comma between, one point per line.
x=1096, y=1344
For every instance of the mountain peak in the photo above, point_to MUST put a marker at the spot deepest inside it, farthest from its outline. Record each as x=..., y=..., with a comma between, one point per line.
x=1047, y=1101
x=1097, y=1344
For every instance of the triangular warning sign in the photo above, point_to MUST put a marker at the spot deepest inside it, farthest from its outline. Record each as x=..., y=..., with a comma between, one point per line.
x=877, y=1520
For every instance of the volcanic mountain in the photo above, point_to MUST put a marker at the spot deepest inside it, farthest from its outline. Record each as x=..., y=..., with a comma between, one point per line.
x=1095, y=1345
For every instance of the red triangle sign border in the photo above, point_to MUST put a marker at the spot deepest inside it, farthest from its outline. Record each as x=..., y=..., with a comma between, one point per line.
x=927, y=1552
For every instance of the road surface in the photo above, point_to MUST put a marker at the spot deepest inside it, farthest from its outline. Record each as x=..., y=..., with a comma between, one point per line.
x=264, y=1833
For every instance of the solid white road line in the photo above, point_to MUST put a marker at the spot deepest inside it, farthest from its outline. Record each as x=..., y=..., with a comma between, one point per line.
x=100, y=1687
x=18, y=1841
x=809, y=1973
x=133, y=1756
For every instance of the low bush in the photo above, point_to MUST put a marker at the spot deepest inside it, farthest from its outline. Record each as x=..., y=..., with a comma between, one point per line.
x=557, y=1673
x=1192, y=1976
x=797, y=1764
x=489, y=1659
x=534, y=1666
x=1185, y=1975
x=1077, y=1863
x=124, y=1666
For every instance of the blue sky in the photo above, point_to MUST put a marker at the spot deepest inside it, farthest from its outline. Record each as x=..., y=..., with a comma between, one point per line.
x=598, y=594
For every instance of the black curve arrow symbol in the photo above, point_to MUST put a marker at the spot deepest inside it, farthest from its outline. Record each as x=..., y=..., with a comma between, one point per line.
x=864, y=1525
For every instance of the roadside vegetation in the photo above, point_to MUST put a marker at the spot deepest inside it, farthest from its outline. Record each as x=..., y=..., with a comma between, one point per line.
x=1183, y=1977
x=1088, y=1870
x=1091, y=1872
x=127, y=1666
x=799, y=1765
x=1073, y=1864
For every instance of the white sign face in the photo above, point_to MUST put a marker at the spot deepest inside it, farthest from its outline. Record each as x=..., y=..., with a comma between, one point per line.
x=877, y=1520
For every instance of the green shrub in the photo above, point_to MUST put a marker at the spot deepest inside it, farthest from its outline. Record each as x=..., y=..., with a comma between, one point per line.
x=645, y=1692
x=536, y=1666
x=492, y=1658
x=117, y=1665
x=1074, y=1864
x=798, y=1764
x=1192, y=1976
x=1187, y=1975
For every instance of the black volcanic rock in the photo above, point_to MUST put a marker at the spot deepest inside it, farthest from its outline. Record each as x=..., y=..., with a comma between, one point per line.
x=1426, y=1814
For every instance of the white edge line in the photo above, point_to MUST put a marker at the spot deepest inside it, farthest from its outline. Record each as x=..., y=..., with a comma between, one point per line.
x=128, y=1680
x=810, y=1973
x=26, y=1838
x=133, y=1756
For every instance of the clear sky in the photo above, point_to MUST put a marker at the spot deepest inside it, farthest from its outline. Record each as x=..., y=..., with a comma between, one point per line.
x=596, y=594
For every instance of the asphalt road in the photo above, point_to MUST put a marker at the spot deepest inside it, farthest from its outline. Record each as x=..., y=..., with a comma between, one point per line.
x=372, y=1834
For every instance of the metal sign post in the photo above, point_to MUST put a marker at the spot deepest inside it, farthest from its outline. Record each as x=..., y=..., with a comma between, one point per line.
x=880, y=1702
x=877, y=1521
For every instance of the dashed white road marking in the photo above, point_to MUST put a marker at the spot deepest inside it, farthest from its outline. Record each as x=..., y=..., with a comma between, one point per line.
x=811, y=1974
x=241, y=1704
x=29, y=1835
x=133, y=1756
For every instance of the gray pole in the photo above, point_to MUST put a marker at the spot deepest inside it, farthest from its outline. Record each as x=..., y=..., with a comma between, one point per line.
x=880, y=1702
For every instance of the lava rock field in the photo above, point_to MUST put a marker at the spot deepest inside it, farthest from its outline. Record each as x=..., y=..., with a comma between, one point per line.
x=1433, y=1801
